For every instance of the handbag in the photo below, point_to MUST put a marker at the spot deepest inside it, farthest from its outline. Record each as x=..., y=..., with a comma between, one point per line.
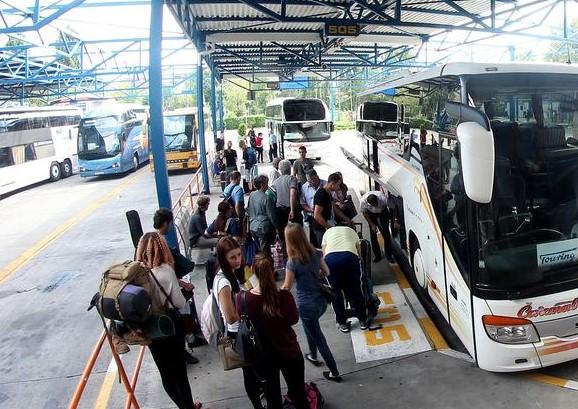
x=277, y=255
x=327, y=291
x=229, y=357
x=249, y=249
x=247, y=343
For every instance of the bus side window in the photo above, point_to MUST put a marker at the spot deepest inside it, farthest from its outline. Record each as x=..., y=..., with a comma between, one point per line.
x=6, y=157
x=29, y=153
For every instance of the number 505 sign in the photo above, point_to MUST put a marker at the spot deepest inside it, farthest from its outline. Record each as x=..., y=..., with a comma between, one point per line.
x=341, y=30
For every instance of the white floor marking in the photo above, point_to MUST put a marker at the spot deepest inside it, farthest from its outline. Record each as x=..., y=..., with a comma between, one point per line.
x=401, y=333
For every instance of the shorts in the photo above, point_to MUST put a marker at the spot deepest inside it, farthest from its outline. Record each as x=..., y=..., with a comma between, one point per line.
x=251, y=174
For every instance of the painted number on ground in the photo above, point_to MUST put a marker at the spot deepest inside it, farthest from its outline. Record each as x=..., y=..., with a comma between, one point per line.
x=400, y=335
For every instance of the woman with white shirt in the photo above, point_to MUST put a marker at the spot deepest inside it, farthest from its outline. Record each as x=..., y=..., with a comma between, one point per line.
x=226, y=287
x=168, y=353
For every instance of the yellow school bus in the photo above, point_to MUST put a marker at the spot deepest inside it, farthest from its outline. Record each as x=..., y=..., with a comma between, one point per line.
x=181, y=139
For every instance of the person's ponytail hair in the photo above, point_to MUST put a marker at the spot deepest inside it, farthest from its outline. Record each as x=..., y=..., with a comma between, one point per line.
x=225, y=245
x=263, y=270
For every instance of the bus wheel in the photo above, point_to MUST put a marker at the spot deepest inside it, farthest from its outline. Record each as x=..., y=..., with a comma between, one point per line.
x=418, y=266
x=55, y=171
x=66, y=168
x=135, y=162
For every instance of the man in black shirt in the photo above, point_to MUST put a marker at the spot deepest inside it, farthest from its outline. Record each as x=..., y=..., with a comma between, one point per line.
x=323, y=207
x=230, y=157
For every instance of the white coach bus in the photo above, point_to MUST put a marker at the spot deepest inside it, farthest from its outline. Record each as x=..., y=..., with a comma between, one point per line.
x=299, y=122
x=36, y=144
x=488, y=206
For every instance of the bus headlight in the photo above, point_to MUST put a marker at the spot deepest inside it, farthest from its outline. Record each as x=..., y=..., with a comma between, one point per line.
x=510, y=330
x=116, y=165
x=81, y=169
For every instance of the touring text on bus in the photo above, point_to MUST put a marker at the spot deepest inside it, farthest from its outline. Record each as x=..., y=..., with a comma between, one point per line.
x=488, y=206
x=299, y=122
x=36, y=144
x=112, y=140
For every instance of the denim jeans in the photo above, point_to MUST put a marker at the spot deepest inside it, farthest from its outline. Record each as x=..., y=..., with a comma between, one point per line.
x=310, y=313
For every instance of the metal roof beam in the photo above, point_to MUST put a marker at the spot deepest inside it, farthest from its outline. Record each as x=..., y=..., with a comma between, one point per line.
x=262, y=9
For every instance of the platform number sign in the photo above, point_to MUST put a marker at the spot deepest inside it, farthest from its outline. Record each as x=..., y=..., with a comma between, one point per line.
x=341, y=30
x=392, y=328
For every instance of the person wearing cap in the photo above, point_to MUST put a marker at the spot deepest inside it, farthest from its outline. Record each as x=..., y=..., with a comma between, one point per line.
x=302, y=165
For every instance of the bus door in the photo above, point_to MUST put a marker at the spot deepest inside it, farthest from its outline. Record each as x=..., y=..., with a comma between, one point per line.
x=457, y=243
x=430, y=237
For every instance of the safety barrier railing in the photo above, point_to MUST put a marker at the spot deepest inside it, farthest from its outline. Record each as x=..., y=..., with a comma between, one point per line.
x=191, y=191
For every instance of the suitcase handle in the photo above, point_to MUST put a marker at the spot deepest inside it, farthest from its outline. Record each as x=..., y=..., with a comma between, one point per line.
x=360, y=232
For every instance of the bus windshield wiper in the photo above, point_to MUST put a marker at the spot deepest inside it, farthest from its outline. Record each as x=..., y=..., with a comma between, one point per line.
x=174, y=135
x=524, y=292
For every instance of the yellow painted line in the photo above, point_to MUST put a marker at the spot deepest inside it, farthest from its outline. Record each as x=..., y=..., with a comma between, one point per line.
x=433, y=334
x=8, y=270
x=400, y=277
x=106, y=387
x=553, y=380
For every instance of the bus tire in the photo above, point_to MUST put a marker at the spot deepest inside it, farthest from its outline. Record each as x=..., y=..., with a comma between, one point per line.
x=135, y=162
x=418, y=265
x=55, y=171
x=66, y=168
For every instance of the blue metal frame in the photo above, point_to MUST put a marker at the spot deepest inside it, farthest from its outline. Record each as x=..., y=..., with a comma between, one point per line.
x=156, y=114
x=214, y=103
x=201, y=126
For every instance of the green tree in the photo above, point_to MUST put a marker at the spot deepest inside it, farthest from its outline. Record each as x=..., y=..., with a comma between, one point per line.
x=565, y=52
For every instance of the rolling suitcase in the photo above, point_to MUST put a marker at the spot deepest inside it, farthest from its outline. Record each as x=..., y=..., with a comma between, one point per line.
x=371, y=300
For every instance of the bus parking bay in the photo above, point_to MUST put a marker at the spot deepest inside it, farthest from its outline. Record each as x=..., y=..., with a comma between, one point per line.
x=81, y=228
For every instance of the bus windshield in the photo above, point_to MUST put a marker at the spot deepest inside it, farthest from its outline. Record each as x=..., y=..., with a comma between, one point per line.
x=304, y=110
x=98, y=138
x=307, y=131
x=528, y=233
x=178, y=132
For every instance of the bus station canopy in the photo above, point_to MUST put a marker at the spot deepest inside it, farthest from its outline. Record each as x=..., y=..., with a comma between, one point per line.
x=279, y=38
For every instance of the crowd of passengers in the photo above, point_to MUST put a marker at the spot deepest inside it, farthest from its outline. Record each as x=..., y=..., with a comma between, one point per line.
x=272, y=220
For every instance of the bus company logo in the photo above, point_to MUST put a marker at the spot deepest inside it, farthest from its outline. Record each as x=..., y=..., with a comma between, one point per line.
x=565, y=306
x=557, y=257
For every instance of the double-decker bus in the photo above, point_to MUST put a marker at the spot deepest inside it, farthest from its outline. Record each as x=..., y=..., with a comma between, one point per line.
x=181, y=139
x=299, y=122
x=112, y=139
x=36, y=144
x=488, y=206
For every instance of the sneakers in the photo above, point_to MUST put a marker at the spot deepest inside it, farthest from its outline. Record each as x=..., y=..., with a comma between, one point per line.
x=330, y=377
x=363, y=326
x=345, y=328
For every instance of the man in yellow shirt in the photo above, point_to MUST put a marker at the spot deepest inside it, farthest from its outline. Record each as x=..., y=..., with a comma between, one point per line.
x=341, y=249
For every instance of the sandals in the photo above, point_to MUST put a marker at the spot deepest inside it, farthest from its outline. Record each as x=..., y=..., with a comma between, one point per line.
x=314, y=361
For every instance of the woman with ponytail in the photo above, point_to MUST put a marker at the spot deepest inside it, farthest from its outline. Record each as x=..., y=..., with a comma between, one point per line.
x=273, y=313
x=225, y=288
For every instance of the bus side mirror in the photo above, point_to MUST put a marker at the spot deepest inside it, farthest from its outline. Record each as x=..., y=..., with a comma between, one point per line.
x=477, y=157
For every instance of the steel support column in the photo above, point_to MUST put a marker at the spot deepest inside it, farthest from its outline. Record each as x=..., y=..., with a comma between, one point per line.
x=214, y=103
x=332, y=100
x=221, y=109
x=201, y=120
x=156, y=112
